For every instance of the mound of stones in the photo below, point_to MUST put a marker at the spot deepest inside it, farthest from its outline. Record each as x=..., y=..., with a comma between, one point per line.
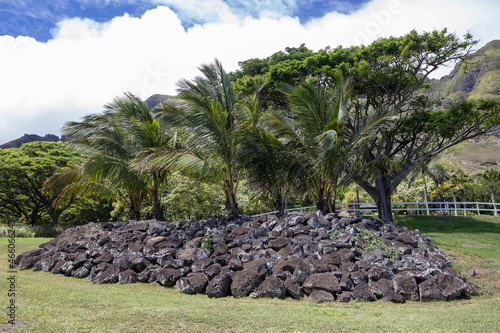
x=323, y=258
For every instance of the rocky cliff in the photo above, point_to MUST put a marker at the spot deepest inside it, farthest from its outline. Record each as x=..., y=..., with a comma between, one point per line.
x=477, y=78
x=30, y=138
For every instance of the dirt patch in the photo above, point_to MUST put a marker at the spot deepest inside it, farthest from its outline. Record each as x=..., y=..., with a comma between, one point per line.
x=9, y=327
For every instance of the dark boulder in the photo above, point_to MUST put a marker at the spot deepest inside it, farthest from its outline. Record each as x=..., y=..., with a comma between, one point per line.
x=245, y=281
x=272, y=287
x=321, y=281
x=362, y=292
x=220, y=285
x=321, y=296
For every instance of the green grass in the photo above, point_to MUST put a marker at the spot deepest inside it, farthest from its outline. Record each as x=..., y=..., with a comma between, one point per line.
x=54, y=303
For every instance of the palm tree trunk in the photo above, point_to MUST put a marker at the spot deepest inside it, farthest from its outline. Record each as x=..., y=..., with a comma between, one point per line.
x=493, y=199
x=134, y=212
x=280, y=205
x=426, y=195
x=323, y=203
x=463, y=200
x=455, y=201
x=231, y=206
x=156, y=211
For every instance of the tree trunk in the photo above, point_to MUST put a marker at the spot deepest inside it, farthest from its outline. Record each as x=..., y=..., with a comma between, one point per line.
x=157, y=212
x=455, y=201
x=357, y=212
x=54, y=216
x=134, y=214
x=493, y=199
x=322, y=204
x=463, y=200
x=384, y=208
x=34, y=216
x=381, y=194
x=231, y=206
x=426, y=195
x=280, y=205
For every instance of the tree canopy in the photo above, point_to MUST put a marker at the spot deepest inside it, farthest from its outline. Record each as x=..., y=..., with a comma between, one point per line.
x=23, y=172
x=388, y=77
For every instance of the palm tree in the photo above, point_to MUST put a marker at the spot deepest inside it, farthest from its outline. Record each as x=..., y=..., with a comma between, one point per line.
x=318, y=135
x=422, y=169
x=458, y=181
x=206, y=121
x=436, y=171
x=270, y=166
x=440, y=192
x=111, y=141
x=491, y=175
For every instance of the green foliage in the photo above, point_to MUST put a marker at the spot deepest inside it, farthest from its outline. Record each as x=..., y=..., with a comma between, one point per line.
x=207, y=243
x=334, y=235
x=188, y=198
x=371, y=242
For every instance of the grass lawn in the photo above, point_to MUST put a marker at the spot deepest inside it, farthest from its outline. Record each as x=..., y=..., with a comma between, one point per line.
x=54, y=303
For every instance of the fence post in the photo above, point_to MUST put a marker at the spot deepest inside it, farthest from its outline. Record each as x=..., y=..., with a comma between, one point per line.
x=447, y=208
x=418, y=212
x=477, y=206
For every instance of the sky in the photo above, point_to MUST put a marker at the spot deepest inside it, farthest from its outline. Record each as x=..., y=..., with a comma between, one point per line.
x=63, y=59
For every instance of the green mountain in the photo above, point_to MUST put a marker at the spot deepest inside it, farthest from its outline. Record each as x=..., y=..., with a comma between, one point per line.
x=479, y=78
x=157, y=100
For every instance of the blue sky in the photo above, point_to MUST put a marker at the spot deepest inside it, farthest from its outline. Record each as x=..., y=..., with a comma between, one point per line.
x=63, y=59
x=37, y=19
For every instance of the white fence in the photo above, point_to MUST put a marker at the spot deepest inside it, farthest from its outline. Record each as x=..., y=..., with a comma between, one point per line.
x=420, y=208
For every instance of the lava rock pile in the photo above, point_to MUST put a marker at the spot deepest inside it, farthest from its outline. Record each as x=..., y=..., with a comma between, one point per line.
x=325, y=258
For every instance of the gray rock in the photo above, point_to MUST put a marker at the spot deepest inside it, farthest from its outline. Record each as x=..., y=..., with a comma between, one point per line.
x=272, y=287
x=362, y=292
x=219, y=286
x=128, y=276
x=321, y=281
x=244, y=282
x=293, y=288
x=321, y=296
x=441, y=287
x=406, y=286
x=168, y=276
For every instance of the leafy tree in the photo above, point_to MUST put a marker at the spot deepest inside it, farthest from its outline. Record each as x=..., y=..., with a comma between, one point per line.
x=189, y=198
x=23, y=172
x=205, y=117
x=389, y=75
x=491, y=175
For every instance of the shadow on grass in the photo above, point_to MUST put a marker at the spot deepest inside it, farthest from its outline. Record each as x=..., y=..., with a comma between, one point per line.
x=451, y=224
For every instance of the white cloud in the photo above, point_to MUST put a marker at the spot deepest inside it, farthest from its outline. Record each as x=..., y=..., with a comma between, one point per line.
x=87, y=64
